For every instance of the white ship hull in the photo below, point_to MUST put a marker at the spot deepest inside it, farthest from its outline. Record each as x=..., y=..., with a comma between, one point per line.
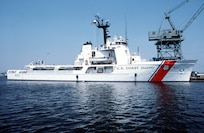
x=141, y=71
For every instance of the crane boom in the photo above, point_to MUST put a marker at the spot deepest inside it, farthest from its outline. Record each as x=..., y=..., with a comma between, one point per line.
x=167, y=14
x=178, y=6
x=170, y=22
x=194, y=17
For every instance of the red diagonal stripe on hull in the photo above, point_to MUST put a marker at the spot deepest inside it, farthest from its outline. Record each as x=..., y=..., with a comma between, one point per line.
x=163, y=70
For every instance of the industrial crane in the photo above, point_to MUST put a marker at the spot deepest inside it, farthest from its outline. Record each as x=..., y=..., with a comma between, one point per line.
x=168, y=41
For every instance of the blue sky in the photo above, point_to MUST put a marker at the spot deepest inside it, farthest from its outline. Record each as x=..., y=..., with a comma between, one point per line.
x=54, y=30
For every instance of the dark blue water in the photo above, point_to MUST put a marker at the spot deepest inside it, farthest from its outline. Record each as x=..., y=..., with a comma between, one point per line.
x=33, y=106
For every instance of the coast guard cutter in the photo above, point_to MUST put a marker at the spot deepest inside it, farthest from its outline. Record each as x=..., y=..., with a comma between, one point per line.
x=113, y=61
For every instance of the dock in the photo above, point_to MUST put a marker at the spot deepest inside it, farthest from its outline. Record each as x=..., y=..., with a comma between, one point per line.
x=197, y=76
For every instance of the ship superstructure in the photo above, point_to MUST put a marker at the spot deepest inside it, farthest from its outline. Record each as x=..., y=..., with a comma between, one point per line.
x=113, y=61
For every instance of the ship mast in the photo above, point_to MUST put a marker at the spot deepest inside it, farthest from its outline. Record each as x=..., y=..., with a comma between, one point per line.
x=103, y=25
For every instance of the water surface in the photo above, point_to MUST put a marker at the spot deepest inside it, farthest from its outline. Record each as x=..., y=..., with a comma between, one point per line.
x=33, y=106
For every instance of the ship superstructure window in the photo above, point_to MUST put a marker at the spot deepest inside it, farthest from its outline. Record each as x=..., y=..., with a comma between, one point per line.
x=43, y=68
x=91, y=70
x=69, y=68
x=93, y=53
x=100, y=70
x=119, y=43
x=108, y=69
x=105, y=69
x=11, y=71
x=77, y=68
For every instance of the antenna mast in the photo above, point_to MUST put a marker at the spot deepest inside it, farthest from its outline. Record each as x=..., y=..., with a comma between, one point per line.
x=125, y=29
x=100, y=24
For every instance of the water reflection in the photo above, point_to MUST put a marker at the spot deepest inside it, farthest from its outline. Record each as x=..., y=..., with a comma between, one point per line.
x=97, y=106
x=168, y=111
x=150, y=106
